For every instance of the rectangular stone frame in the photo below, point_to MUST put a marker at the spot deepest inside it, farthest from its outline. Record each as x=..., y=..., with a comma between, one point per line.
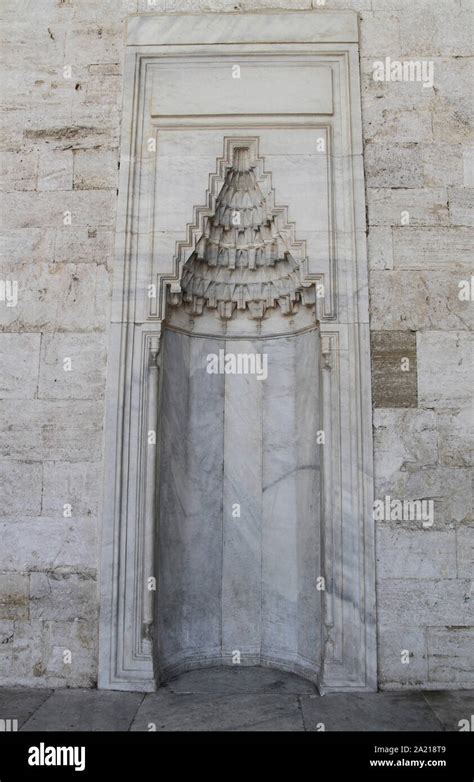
x=349, y=632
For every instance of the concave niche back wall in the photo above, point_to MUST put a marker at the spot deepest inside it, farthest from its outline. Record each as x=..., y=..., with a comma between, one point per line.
x=238, y=543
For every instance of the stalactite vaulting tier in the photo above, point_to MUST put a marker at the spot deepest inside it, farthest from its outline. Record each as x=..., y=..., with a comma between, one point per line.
x=243, y=260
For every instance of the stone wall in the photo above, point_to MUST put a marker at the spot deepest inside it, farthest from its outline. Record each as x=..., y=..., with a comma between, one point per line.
x=61, y=94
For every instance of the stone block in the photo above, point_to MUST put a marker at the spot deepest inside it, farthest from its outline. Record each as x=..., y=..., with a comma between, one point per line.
x=402, y=643
x=402, y=438
x=432, y=248
x=55, y=169
x=403, y=553
x=74, y=483
x=418, y=207
x=14, y=596
x=61, y=430
x=394, y=711
x=62, y=596
x=451, y=655
x=18, y=170
x=392, y=125
x=70, y=652
x=393, y=165
x=58, y=297
x=30, y=245
x=20, y=354
x=468, y=166
x=95, y=169
x=380, y=248
x=452, y=708
x=39, y=210
x=442, y=164
x=418, y=300
x=379, y=34
x=189, y=712
x=431, y=31
x=72, y=366
x=456, y=436
x=84, y=245
x=465, y=550
x=72, y=710
x=424, y=602
x=20, y=703
x=450, y=489
x=44, y=544
x=20, y=488
x=445, y=368
x=461, y=205
x=394, y=369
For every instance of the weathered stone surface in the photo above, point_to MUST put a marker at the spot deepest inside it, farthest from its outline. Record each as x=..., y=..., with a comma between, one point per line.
x=85, y=710
x=78, y=639
x=465, y=550
x=402, y=553
x=379, y=34
x=449, y=489
x=394, y=369
x=95, y=169
x=75, y=483
x=431, y=248
x=393, y=165
x=451, y=655
x=72, y=366
x=57, y=297
x=416, y=300
x=442, y=164
x=70, y=543
x=452, y=708
x=445, y=368
x=468, y=166
x=18, y=171
x=239, y=680
x=60, y=596
x=20, y=488
x=51, y=430
x=368, y=712
x=408, y=207
x=402, y=438
x=55, y=170
x=219, y=712
x=14, y=596
x=83, y=245
x=20, y=354
x=436, y=603
x=396, y=646
x=456, y=439
x=427, y=31
x=461, y=205
x=399, y=126
x=380, y=248
x=20, y=704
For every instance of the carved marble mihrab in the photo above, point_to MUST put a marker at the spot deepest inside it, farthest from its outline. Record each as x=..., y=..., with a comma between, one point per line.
x=243, y=260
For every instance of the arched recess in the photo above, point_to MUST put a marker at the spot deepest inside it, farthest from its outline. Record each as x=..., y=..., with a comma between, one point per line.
x=298, y=113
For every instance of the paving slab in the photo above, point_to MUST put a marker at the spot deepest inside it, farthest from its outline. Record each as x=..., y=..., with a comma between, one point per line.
x=407, y=711
x=85, y=710
x=19, y=703
x=451, y=707
x=167, y=711
x=239, y=681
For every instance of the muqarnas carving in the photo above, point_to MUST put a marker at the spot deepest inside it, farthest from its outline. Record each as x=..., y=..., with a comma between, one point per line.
x=243, y=259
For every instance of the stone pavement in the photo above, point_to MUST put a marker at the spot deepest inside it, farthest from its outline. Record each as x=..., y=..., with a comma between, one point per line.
x=235, y=699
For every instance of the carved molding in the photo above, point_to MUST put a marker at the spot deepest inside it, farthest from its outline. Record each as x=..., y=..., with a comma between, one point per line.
x=133, y=377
